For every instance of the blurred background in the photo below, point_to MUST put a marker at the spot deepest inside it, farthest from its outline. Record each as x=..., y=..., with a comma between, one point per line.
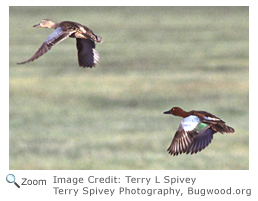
x=111, y=117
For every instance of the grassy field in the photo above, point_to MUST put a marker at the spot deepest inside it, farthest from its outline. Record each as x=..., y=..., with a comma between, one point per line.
x=111, y=117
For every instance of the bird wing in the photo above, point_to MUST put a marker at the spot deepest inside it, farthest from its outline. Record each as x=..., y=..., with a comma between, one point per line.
x=191, y=141
x=181, y=141
x=201, y=141
x=55, y=37
x=87, y=54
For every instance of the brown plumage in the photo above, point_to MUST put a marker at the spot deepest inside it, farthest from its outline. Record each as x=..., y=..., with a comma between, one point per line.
x=196, y=131
x=85, y=41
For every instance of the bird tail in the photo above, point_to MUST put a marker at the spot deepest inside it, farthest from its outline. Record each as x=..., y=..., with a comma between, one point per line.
x=230, y=129
x=99, y=39
x=223, y=128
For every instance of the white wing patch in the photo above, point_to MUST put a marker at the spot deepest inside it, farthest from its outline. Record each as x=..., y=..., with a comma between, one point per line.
x=189, y=123
x=211, y=119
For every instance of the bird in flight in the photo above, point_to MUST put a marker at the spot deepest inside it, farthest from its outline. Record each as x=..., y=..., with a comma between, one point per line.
x=85, y=41
x=196, y=131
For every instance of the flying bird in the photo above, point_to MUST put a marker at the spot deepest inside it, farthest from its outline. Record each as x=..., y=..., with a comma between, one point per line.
x=196, y=131
x=85, y=41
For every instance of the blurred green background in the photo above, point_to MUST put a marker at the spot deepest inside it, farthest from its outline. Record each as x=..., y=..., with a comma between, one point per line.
x=111, y=116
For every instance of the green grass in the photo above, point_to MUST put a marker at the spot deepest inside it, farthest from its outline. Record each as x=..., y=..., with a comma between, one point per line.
x=111, y=117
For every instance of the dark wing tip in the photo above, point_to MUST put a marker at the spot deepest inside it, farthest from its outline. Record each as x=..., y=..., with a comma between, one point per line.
x=21, y=63
x=42, y=50
x=55, y=37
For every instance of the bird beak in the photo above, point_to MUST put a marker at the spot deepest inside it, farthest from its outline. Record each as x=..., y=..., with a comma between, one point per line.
x=37, y=25
x=167, y=112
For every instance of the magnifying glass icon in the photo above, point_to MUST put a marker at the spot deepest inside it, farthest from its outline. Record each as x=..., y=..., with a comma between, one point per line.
x=10, y=178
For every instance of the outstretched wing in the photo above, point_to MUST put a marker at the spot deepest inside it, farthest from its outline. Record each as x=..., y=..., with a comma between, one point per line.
x=201, y=141
x=87, y=54
x=191, y=141
x=56, y=37
x=181, y=141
